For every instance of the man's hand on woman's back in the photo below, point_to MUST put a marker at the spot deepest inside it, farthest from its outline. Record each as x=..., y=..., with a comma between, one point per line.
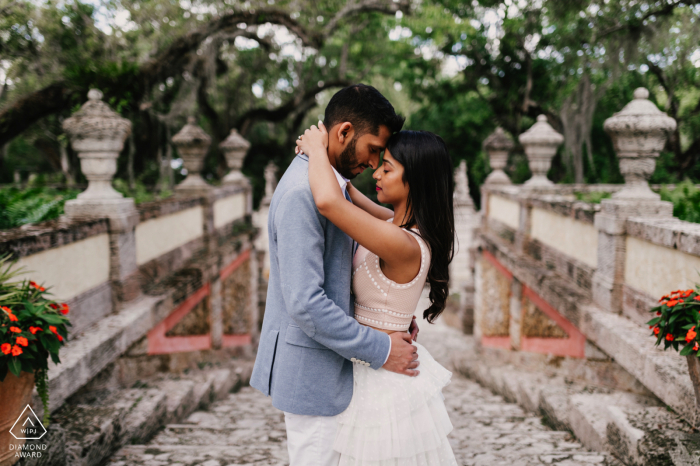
x=403, y=358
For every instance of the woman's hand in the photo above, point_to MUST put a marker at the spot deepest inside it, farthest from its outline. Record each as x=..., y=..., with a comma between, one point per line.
x=314, y=141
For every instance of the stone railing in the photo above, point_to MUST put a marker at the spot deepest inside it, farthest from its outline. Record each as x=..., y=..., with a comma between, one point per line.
x=157, y=280
x=566, y=278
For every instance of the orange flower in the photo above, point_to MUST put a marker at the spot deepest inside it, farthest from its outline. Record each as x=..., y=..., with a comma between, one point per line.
x=22, y=341
x=15, y=329
x=53, y=306
x=697, y=298
x=13, y=318
x=6, y=309
x=16, y=350
x=680, y=301
x=656, y=330
x=60, y=338
x=35, y=329
x=37, y=286
x=6, y=348
x=696, y=347
x=53, y=329
x=669, y=337
x=658, y=313
x=690, y=336
x=64, y=309
x=671, y=303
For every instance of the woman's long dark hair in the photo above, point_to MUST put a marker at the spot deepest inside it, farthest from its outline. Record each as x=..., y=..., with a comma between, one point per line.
x=428, y=172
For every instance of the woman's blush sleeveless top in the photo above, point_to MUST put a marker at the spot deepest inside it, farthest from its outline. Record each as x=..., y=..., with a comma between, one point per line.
x=380, y=302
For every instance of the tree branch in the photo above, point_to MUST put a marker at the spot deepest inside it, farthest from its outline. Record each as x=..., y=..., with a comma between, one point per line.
x=283, y=111
x=366, y=6
x=665, y=10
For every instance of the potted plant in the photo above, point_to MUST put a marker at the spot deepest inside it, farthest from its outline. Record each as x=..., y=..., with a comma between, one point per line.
x=676, y=324
x=33, y=328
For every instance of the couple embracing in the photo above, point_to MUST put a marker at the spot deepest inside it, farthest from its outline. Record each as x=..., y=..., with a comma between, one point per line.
x=337, y=350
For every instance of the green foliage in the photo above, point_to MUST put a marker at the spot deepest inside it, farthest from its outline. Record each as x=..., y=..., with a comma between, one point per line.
x=140, y=193
x=33, y=328
x=676, y=321
x=593, y=197
x=686, y=200
x=37, y=204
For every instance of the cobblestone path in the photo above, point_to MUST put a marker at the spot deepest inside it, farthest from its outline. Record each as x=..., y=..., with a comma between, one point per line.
x=246, y=429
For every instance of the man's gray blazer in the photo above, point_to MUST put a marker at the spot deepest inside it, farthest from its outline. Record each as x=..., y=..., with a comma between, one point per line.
x=309, y=333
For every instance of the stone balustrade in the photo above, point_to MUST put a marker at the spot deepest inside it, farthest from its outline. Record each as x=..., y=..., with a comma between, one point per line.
x=559, y=276
x=166, y=279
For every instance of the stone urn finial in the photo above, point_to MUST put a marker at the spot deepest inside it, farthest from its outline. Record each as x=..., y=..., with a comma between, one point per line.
x=540, y=143
x=192, y=144
x=235, y=148
x=270, y=181
x=97, y=134
x=497, y=146
x=639, y=132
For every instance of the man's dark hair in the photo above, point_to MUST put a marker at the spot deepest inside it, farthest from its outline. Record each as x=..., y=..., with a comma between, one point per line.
x=363, y=106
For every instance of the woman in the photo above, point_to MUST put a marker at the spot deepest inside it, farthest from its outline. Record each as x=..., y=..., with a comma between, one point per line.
x=394, y=419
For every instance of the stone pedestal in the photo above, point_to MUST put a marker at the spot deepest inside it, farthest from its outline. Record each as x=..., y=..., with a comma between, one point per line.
x=540, y=143
x=235, y=148
x=498, y=146
x=192, y=144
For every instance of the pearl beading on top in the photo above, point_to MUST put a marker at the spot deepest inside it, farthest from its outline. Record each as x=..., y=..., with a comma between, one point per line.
x=385, y=311
x=380, y=324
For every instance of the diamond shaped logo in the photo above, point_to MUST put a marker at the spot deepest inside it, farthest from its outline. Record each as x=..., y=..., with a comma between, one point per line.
x=28, y=426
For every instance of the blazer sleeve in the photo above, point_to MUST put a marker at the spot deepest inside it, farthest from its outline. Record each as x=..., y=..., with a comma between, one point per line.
x=299, y=231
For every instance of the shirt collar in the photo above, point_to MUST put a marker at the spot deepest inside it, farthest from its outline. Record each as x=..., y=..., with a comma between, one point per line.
x=342, y=181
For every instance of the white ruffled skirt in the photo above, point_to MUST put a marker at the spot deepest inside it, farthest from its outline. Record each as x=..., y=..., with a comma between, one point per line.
x=396, y=420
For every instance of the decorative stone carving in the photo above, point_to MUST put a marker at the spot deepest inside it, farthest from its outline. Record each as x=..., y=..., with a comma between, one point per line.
x=540, y=142
x=235, y=148
x=461, y=195
x=97, y=134
x=270, y=182
x=497, y=146
x=639, y=132
x=192, y=144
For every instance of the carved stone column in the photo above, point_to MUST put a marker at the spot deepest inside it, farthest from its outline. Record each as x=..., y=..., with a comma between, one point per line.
x=260, y=217
x=192, y=144
x=498, y=145
x=540, y=143
x=639, y=132
x=235, y=148
x=462, y=265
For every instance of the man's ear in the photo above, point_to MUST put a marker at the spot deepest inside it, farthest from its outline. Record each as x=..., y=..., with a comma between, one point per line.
x=345, y=132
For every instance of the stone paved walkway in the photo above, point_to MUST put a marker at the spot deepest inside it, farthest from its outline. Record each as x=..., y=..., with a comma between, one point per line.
x=246, y=429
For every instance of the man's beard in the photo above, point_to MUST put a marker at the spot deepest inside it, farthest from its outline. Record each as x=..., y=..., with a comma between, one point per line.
x=347, y=160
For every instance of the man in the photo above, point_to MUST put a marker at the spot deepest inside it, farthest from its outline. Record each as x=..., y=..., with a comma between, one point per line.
x=309, y=338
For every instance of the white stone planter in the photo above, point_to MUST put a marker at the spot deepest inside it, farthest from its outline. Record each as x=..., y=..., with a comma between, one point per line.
x=540, y=143
x=192, y=144
x=639, y=132
x=235, y=148
x=498, y=145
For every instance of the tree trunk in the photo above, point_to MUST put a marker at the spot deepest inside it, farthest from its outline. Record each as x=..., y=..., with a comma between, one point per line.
x=170, y=175
x=159, y=161
x=694, y=370
x=65, y=164
x=130, y=162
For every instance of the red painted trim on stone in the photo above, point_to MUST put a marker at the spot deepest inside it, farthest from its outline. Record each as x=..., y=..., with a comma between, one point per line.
x=228, y=270
x=159, y=343
x=233, y=341
x=500, y=267
x=496, y=342
x=574, y=346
